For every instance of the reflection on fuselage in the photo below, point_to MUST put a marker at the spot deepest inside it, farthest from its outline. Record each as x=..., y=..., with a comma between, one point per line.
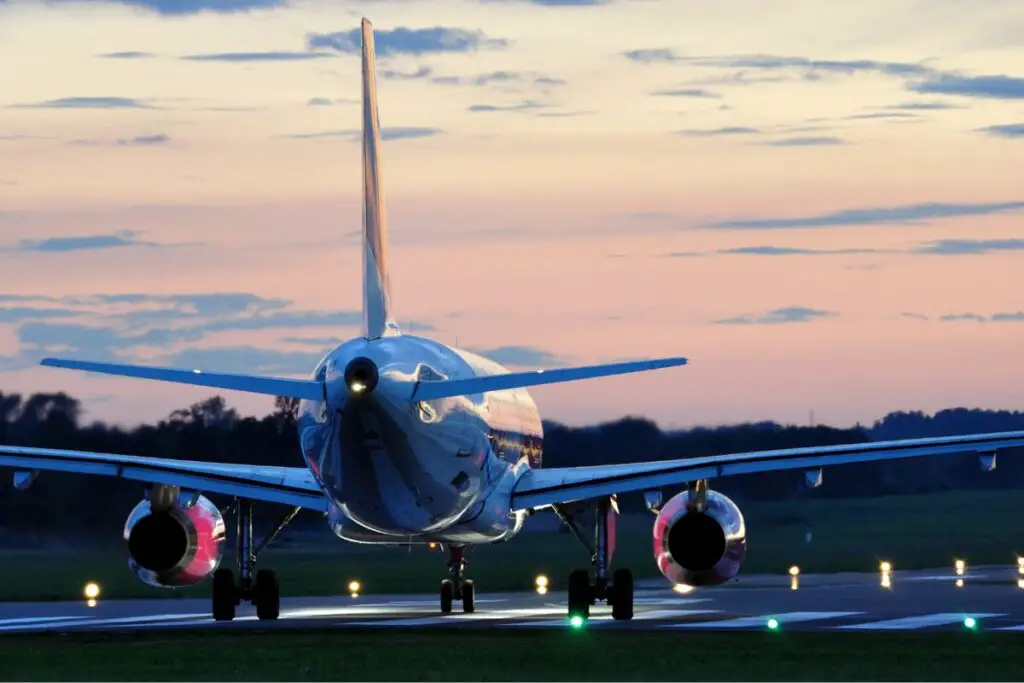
x=430, y=470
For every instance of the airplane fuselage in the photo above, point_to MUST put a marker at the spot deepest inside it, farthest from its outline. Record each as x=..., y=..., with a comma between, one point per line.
x=397, y=469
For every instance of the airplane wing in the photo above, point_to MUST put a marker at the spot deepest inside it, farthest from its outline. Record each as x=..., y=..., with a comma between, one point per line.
x=286, y=485
x=543, y=487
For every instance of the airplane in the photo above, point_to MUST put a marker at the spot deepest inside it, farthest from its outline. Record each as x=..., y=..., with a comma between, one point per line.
x=408, y=441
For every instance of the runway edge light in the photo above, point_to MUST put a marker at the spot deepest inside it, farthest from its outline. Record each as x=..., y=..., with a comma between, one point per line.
x=970, y=622
x=91, y=590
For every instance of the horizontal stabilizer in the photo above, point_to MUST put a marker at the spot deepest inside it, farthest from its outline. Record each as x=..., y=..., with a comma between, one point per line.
x=426, y=391
x=271, y=386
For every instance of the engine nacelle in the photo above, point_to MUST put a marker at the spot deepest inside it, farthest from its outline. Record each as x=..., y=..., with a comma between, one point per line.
x=700, y=548
x=178, y=545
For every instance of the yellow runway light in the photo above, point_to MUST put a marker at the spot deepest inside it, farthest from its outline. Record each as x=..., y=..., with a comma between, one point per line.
x=794, y=570
x=92, y=590
x=91, y=603
x=959, y=583
x=354, y=588
x=794, y=582
x=1020, y=584
x=1020, y=565
x=886, y=580
x=959, y=566
x=885, y=567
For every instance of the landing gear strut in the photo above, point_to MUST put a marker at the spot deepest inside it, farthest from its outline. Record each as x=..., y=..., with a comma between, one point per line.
x=457, y=587
x=264, y=592
x=582, y=593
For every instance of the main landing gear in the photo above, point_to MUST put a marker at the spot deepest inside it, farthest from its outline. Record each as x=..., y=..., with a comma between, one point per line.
x=264, y=593
x=582, y=593
x=457, y=587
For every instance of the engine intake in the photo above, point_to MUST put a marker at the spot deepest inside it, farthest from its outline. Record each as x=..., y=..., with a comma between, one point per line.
x=176, y=545
x=700, y=548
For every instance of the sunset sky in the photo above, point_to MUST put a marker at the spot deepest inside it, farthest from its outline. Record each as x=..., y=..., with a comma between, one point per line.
x=820, y=204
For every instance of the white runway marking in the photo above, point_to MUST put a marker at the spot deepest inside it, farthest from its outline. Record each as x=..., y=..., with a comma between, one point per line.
x=921, y=621
x=599, y=619
x=21, y=623
x=461, y=616
x=762, y=621
x=1018, y=627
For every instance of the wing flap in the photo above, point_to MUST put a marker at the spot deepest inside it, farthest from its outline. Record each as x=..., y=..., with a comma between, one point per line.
x=270, y=386
x=285, y=485
x=426, y=391
x=540, y=488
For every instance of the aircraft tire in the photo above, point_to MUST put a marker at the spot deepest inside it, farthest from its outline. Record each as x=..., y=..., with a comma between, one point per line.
x=267, y=595
x=468, y=596
x=622, y=592
x=579, y=593
x=447, y=595
x=225, y=595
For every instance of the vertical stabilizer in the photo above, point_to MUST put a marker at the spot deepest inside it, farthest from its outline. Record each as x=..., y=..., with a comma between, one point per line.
x=377, y=317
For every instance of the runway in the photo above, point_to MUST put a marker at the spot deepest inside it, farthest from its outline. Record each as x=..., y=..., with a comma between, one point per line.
x=840, y=603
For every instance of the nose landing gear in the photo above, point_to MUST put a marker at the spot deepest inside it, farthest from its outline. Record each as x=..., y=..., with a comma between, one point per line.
x=457, y=587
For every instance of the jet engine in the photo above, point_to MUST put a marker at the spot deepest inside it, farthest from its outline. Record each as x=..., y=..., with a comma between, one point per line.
x=699, y=548
x=175, y=541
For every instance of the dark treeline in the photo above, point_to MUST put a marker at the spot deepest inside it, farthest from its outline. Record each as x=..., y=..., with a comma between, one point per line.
x=210, y=430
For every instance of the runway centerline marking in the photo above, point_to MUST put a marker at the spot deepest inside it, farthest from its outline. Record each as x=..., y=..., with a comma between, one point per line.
x=762, y=620
x=916, y=622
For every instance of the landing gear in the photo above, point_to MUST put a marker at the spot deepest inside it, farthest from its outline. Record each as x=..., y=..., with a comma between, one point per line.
x=265, y=592
x=583, y=593
x=457, y=587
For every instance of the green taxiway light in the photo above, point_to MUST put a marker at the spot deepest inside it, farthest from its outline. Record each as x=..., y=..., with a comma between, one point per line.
x=773, y=624
x=576, y=621
x=970, y=622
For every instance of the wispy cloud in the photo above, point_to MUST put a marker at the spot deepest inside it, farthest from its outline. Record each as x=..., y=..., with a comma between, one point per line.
x=131, y=54
x=407, y=41
x=1008, y=130
x=1015, y=317
x=185, y=7
x=122, y=326
x=954, y=317
x=909, y=214
x=527, y=105
x=327, y=102
x=997, y=86
x=386, y=134
x=686, y=92
x=715, y=132
x=924, y=106
x=793, y=251
x=914, y=316
x=247, y=57
x=652, y=55
x=153, y=140
x=520, y=356
x=792, y=314
x=87, y=103
x=83, y=243
x=958, y=247
x=806, y=141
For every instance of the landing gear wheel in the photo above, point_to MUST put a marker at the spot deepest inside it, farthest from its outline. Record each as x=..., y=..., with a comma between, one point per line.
x=621, y=595
x=225, y=595
x=447, y=594
x=267, y=595
x=468, y=594
x=579, y=594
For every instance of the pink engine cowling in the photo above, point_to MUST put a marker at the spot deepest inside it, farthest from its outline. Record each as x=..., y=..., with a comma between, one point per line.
x=700, y=548
x=178, y=546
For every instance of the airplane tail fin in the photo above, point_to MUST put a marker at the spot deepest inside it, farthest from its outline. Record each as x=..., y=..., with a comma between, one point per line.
x=378, y=320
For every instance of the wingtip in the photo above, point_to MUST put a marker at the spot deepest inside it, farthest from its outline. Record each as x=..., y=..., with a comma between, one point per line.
x=49, y=362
